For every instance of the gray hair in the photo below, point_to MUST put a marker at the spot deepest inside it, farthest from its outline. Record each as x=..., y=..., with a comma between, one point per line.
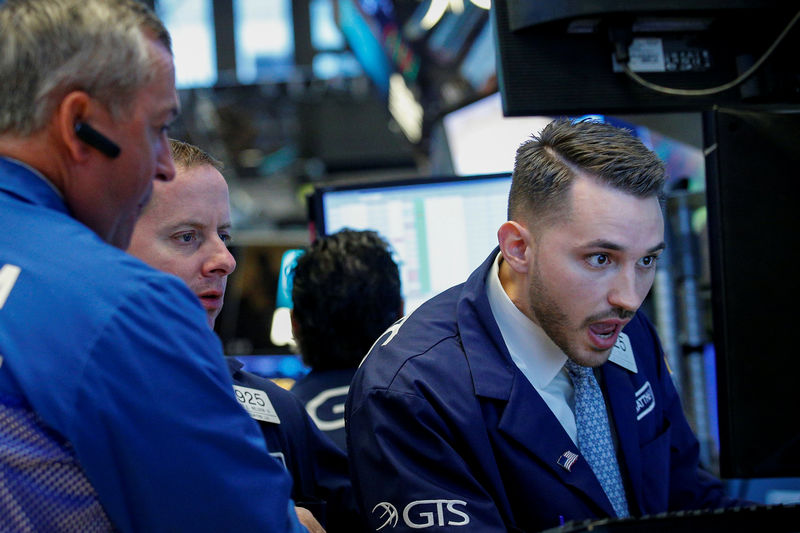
x=547, y=164
x=52, y=47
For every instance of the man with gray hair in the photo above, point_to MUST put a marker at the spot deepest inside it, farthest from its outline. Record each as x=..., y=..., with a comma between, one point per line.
x=116, y=408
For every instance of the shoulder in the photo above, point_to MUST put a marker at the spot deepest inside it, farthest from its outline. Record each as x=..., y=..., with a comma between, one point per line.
x=418, y=351
x=105, y=311
x=317, y=381
x=646, y=351
x=84, y=285
x=58, y=255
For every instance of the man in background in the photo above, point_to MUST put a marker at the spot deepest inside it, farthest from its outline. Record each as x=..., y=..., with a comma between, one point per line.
x=185, y=230
x=116, y=409
x=346, y=292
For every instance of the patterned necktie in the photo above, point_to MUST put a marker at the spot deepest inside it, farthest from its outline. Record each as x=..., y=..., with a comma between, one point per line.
x=594, y=435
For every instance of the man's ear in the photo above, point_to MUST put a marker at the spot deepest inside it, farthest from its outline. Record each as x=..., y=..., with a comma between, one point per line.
x=515, y=241
x=74, y=108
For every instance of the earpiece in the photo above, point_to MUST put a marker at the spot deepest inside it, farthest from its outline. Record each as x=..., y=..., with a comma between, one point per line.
x=97, y=140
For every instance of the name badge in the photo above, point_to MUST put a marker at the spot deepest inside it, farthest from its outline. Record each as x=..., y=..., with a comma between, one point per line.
x=256, y=403
x=622, y=354
x=645, y=400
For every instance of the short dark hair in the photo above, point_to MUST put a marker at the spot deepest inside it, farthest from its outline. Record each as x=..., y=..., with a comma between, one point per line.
x=546, y=165
x=346, y=293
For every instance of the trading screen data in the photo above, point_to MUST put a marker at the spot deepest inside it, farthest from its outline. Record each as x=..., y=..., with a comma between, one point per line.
x=440, y=230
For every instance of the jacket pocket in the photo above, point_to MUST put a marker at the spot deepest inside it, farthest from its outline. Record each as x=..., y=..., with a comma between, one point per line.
x=655, y=473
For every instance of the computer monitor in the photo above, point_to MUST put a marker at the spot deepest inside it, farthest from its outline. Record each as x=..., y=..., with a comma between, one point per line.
x=752, y=162
x=440, y=228
x=557, y=57
x=483, y=141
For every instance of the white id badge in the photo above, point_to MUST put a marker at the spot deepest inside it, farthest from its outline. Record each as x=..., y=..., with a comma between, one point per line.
x=257, y=404
x=622, y=354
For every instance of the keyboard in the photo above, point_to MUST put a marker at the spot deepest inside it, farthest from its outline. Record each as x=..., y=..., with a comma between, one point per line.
x=780, y=518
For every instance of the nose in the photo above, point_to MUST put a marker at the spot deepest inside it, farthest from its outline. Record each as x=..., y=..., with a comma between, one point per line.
x=221, y=261
x=165, y=166
x=625, y=292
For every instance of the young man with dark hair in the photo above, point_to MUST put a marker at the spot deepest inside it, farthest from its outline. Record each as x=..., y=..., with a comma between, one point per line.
x=536, y=392
x=346, y=292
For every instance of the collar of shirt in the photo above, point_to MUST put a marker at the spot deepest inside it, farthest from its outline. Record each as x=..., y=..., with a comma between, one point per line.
x=36, y=173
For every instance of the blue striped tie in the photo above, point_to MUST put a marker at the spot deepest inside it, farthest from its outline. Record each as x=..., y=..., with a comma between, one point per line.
x=594, y=435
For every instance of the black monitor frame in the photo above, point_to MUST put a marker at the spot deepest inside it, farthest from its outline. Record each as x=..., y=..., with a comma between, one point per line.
x=753, y=219
x=555, y=57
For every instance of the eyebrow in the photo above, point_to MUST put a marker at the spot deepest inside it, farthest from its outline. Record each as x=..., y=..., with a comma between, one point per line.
x=198, y=225
x=608, y=245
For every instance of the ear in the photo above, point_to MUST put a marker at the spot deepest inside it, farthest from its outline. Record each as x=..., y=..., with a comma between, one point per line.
x=74, y=108
x=515, y=242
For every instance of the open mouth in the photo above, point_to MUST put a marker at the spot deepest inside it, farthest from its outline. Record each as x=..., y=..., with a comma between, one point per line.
x=604, y=330
x=604, y=334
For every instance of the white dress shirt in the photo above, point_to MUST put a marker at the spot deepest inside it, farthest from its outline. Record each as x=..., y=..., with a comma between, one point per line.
x=537, y=357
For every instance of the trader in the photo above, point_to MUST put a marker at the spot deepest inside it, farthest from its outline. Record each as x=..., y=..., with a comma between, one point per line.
x=105, y=363
x=345, y=293
x=185, y=230
x=535, y=393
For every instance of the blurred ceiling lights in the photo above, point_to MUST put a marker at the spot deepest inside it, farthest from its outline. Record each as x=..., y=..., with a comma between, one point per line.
x=437, y=9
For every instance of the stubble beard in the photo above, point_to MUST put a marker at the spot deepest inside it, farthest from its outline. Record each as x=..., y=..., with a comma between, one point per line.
x=548, y=314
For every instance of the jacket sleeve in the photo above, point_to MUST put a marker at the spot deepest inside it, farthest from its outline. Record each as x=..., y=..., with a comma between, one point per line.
x=160, y=433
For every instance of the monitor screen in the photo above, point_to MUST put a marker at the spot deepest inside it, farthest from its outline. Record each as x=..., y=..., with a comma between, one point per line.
x=481, y=140
x=441, y=229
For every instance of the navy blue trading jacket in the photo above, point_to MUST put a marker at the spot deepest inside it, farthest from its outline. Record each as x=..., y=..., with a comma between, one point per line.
x=446, y=434
x=318, y=467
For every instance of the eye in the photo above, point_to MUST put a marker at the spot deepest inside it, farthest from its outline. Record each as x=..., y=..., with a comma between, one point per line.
x=186, y=238
x=648, y=261
x=598, y=260
x=226, y=238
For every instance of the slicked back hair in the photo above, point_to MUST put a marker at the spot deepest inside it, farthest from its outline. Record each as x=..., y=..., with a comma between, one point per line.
x=547, y=163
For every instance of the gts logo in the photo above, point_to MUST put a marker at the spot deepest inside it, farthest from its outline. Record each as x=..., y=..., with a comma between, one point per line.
x=422, y=514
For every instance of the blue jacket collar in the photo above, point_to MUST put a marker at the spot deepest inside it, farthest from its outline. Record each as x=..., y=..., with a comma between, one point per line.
x=476, y=324
x=29, y=185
